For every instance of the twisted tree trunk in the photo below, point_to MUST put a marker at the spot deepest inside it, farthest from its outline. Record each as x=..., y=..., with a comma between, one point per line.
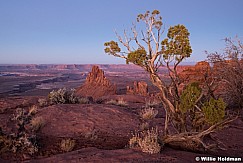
x=183, y=140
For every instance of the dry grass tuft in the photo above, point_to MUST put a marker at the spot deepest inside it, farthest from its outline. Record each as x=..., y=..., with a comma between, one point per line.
x=33, y=110
x=152, y=103
x=67, y=145
x=147, y=141
x=144, y=126
x=111, y=102
x=148, y=113
x=83, y=100
x=42, y=102
x=37, y=123
x=119, y=102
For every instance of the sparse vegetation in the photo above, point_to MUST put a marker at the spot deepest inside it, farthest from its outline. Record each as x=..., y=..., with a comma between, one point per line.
x=22, y=141
x=152, y=103
x=147, y=141
x=67, y=145
x=37, y=123
x=112, y=102
x=119, y=102
x=42, y=102
x=228, y=68
x=62, y=96
x=144, y=126
x=33, y=110
x=92, y=135
x=148, y=113
x=83, y=100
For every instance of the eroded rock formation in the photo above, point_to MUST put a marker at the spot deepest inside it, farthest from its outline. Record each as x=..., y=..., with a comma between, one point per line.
x=196, y=73
x=96, y=84
x=139, y=88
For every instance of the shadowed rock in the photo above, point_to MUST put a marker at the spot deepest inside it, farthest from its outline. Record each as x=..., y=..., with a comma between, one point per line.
x=96, y=85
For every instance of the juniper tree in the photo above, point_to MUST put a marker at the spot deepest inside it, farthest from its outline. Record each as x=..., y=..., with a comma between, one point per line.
x=148, y=50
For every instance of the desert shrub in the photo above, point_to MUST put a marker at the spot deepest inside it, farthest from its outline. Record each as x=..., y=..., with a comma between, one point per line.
x=63, y=96
x=133, y=141
x=144, y=126
x=33, y=110
x=112, y=102
x=21, y=118
x=232, y=80
x=22, y=141
x=147, y=141
x=37, y=123
x=42, y=102
x=91, y=135
x=148, y=113
x=228, y=68
x=152, y=103
x=5, y=142
x=57, y=97
x=67, y=145
x=121, y=102
x=83, y=100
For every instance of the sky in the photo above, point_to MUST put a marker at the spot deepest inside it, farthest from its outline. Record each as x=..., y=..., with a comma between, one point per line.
x=74, y=31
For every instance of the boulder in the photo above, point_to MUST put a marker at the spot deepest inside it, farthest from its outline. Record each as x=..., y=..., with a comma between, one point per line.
x=91, y=125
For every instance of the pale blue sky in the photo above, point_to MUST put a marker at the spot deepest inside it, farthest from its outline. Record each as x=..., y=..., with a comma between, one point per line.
x=74, y=31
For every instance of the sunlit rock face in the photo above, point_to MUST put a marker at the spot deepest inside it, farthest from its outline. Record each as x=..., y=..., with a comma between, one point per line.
x=96, y=85
x=139, y=88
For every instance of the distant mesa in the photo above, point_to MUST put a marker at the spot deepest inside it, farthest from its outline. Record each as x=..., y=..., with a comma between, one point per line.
x=139, y=88
x=96, y=85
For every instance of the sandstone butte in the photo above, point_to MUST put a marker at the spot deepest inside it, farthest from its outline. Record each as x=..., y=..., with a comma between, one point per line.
x=96, y=85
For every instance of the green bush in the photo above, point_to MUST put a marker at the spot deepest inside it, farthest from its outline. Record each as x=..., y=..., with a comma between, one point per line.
x=189, y=97
x=214, y=110
x=200, y=111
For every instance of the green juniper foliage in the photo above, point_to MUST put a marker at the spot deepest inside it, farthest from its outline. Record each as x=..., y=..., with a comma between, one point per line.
x=138, y=57
x=112, y=47
x=177, y=43
x=189, y=97
x=214, y=110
